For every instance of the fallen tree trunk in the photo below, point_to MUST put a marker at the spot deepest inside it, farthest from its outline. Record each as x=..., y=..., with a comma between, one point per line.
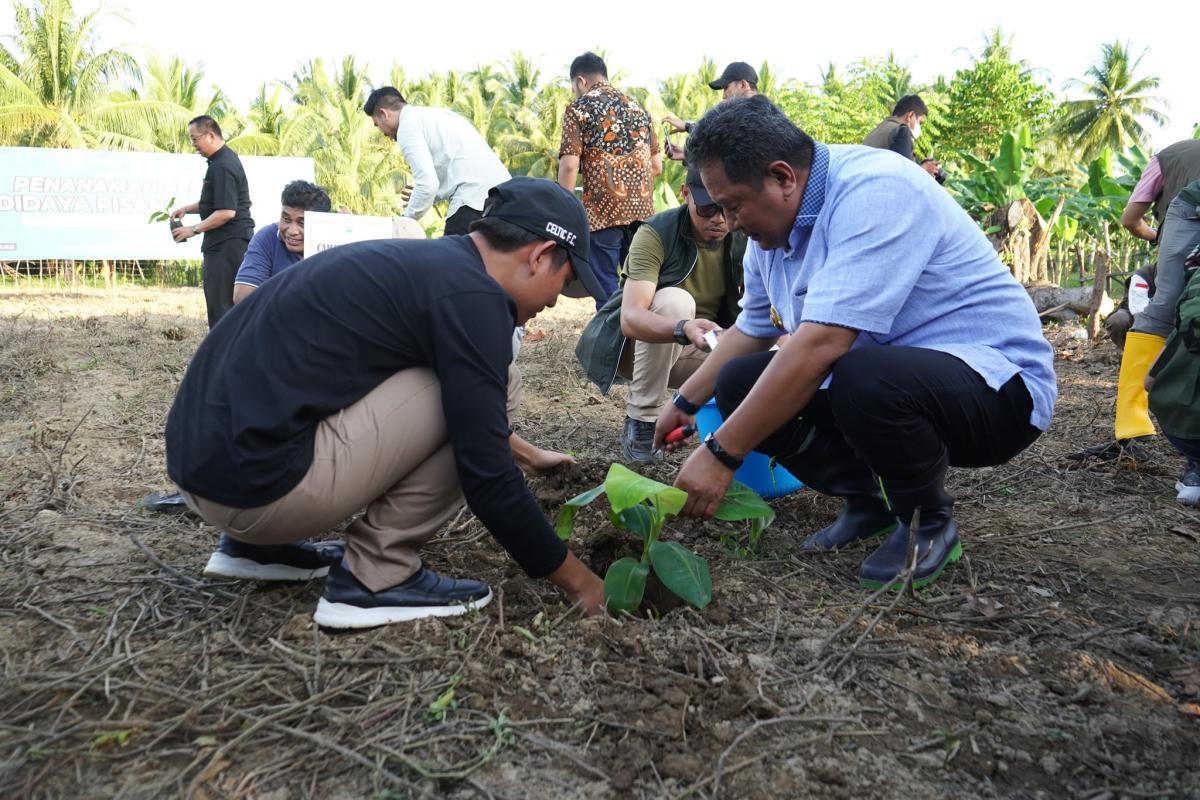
x=1065, y=304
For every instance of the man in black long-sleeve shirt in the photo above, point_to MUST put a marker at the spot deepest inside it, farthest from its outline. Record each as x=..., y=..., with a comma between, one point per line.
x=376, y=377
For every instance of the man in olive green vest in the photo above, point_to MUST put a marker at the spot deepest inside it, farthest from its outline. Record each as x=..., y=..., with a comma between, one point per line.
x=681, y=280
x=897, y=132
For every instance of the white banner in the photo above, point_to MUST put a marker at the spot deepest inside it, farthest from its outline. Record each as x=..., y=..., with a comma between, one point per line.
x=92, y=204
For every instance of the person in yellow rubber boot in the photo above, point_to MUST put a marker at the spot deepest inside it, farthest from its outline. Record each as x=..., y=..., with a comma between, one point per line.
x=1178, y=233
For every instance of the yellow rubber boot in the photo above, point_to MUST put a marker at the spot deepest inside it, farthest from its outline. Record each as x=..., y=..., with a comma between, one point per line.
x=1133, y=413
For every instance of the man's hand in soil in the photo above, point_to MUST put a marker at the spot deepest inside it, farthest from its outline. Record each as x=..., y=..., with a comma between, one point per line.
x=534, y=460
x=580, y=585
x=705, y=480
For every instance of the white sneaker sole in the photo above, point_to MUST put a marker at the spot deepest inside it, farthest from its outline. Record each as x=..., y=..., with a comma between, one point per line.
x=1188, y=495
x=221, y=565
x=343, y=615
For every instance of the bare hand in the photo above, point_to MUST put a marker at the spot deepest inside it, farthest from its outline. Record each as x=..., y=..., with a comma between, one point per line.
x=674, y=153
x=677, y=125
x=179, y=213
x=696, y=328
x=540, y=462
x=670, y=419
x=580, y=585
x=705, y=480
x=182, y=234
x=406, y=193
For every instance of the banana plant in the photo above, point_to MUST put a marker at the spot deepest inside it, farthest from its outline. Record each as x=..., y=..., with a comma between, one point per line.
x=989, y=185
x=642, y=505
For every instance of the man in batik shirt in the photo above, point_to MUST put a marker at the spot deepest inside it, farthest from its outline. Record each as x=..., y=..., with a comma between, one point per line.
x=610, y=138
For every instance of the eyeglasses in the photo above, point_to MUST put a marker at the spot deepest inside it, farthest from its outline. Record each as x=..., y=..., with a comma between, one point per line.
x=709, y=210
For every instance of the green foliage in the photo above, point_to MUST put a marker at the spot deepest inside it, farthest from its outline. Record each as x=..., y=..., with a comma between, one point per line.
x=642, y=506
x=445, y=702
x=995, y=183
x=1114, y=102
x=1001, y=133
x=163, y=214
x=54, y=85
x=993, y=96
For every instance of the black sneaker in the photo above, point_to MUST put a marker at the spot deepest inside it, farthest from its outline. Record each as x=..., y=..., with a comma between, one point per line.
x=1134, y=449
x=1188, y=485
x=637, y=441
x=349, y=604
x=273, y=562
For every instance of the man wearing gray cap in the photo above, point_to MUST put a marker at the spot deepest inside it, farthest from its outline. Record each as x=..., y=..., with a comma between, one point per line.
x=738, y=80
x=681, y=282
x=377, y=378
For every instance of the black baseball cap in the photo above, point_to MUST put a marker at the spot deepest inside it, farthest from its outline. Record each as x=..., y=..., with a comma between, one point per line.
x=737, y=71
x=696, y=188
x=550, y=212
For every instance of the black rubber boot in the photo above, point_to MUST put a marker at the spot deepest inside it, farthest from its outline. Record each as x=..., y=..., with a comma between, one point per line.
x=1134, y=449
x=937, y=545
x=936, y=537
x=826, y=464
x=862, y=517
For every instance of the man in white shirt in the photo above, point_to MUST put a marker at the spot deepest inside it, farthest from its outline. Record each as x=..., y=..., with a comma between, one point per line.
x=448, y=158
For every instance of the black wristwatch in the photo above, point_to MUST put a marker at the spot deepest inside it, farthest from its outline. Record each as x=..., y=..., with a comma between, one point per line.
x=685, y=405
x=680, y=336
x=714, y=447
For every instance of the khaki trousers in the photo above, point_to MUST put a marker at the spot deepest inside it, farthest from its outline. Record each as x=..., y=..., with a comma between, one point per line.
x=652, y=368
x=387, y=453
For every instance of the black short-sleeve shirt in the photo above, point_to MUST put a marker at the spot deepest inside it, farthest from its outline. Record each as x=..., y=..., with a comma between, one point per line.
x=225, y=187
x=317, y=338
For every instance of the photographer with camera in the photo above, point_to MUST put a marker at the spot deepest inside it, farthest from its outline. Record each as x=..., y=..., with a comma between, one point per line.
x=934, y=168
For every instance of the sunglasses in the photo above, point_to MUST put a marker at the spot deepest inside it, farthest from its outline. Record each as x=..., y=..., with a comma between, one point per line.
x=709, y=210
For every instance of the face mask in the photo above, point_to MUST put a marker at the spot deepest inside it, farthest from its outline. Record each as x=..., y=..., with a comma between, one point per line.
x=916, y=130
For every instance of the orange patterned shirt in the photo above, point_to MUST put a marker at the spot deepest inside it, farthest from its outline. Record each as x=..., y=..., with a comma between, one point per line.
x=614, y=139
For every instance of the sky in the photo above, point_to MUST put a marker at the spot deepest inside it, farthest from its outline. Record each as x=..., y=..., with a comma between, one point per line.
x=241, y=44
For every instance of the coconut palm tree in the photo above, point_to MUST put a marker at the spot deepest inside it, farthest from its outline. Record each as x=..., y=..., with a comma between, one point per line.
x=360, y=169
x=1115, y=102
x=175, y=83
x=56, y=87
x=531, y=148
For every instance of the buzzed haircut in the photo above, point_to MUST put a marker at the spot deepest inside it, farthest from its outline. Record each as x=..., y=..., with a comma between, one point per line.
x=588, y=64
x=505, y=237
x=746, y=136
x=206, y=124
x=302, y=194
x=388, y=97
x=910, y=102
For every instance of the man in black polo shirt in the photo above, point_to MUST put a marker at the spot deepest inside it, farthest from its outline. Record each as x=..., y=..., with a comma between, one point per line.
x=224, y=209
x=376, y=377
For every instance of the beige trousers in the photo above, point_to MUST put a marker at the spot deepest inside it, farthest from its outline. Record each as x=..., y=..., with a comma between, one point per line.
x=653, y=368
x=387, y=453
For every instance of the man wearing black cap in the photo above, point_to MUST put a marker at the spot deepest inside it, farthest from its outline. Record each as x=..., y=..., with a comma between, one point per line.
x=683, y=279
x=738, y=80
x=376, y=377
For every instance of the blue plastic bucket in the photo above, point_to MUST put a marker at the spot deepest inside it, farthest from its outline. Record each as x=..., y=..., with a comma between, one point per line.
x=757, y=471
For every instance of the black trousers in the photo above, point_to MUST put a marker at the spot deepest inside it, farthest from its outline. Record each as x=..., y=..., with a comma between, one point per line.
x=902, y=414
x=460, y=221
x=221, y=263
